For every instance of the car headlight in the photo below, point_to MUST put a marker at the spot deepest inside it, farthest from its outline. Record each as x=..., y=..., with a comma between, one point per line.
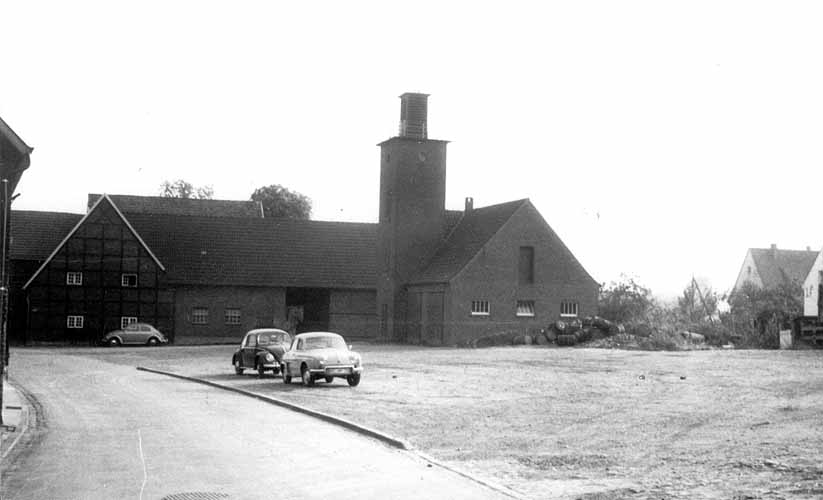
x=354, y=359
x=269, y=357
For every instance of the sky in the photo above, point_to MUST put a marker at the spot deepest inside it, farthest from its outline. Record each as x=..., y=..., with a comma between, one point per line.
x=659, y=139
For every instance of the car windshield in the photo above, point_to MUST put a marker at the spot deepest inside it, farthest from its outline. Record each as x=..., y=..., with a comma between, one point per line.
x=324, y=342
x=273, y=338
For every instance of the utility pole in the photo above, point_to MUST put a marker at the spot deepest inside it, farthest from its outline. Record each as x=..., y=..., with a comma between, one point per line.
x=4, y=285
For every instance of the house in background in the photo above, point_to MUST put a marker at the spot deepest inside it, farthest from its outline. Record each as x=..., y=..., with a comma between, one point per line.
x=813, y=289
x=769, y=268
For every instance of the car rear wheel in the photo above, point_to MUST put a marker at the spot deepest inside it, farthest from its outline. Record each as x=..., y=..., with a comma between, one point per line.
x=238, y=369
x=286, y=376
x=114, y=342
x=329, y=380
x=353, y=379
x=305, y=374
x=152, y=341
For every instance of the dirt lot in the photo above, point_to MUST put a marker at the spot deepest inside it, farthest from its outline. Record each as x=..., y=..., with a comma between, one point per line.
x=576, y=423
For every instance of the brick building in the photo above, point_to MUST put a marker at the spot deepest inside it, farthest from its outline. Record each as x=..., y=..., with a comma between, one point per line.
x=205, y=271
x=445, y=277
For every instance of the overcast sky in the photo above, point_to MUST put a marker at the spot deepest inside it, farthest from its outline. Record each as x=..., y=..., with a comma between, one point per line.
x=658, y=139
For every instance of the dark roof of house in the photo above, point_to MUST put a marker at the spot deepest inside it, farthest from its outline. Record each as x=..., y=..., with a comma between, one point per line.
x=777, y=267
x=34, y=235
x=15, y=159
x=129, y=204
x=261, y=252
x=468, y=236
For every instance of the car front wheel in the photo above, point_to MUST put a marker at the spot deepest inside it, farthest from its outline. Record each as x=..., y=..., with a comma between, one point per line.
x=308, y=380
x=353, y=379
x=152, y=341
x=286, y=376
x=237, y=368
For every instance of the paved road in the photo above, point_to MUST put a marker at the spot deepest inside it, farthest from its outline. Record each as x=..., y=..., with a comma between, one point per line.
x=113, y=432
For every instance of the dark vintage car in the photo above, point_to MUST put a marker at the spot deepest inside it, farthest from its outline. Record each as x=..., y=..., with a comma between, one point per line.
x=134, y=333
x=321, y=355
x=262, y=350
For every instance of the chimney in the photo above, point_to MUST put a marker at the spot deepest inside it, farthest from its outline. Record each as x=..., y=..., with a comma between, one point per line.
x=774, y=250
x=808, y=248
x=469, y=204
x=413, y=111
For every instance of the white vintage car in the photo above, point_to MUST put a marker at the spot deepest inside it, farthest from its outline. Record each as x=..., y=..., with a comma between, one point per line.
x=321, y=355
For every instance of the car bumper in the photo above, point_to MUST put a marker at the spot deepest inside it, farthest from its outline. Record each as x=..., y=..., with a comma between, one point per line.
x=336, y=371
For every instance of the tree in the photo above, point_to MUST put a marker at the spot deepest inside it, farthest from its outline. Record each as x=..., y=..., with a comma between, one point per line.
x=697, y=303
x=183, y=189
x=281, y=202
x=625, y=301
x=758, y=313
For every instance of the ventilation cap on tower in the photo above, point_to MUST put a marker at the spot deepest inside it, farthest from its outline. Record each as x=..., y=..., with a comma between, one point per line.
x=413, y=110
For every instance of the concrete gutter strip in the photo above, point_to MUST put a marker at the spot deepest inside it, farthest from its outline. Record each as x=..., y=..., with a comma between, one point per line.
x=23, y=422
x=390, y=440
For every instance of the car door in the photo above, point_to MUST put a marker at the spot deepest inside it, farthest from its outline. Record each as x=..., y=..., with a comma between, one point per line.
x=130, y=333
x=289, y=356
x=249, y=350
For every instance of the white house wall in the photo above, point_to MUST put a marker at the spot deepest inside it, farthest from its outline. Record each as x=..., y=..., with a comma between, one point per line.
x=811, y=287
x=748, y=272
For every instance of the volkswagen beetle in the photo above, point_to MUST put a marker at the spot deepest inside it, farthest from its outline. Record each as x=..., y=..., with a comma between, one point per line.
x=321, y=355
x=261, y=350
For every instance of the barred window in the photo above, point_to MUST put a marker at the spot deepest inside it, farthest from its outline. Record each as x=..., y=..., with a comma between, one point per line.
x=525, y=308
x=232, y=316
x=127, y=320
x=480, y=308
x=74, y=321
x=200, y=315
x=128, y=280
x=74, y=278
x=568, y=308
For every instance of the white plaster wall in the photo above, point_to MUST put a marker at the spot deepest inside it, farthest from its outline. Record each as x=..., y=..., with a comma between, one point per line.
x=811, y=287
x=744, y=275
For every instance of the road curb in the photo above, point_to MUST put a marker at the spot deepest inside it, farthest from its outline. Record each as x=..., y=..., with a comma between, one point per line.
x=390, y=440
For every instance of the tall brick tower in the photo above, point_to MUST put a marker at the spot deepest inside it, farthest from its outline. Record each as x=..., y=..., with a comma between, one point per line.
x=412, y=210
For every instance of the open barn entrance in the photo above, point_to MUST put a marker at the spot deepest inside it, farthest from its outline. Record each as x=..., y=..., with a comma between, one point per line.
x=309, y=307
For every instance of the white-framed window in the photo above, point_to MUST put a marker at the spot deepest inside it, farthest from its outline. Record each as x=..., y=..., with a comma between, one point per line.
x=525, y=308
x=127, y=320
x=232, y=315
x=480, y=308
x=200, y=315
x=568, y=308
x=74, y=321
x=128, y=280
x=74, y=278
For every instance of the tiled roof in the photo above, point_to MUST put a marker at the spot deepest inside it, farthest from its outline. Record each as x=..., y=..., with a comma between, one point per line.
x=777, y=267
x=261, y=252
x=34, y=235
x=182, y=206
x=466, y=239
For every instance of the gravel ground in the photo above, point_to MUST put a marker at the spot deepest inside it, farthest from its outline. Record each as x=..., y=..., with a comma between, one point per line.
x=575, y=423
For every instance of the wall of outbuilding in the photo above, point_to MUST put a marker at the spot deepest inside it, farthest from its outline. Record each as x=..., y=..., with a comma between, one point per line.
x=493, y=276
x=352, y=313
x=259, y=307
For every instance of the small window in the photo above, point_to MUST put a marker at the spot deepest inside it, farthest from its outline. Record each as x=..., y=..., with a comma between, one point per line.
x=525, y=269
x=128, y=280
x=232, y=316
x=480, y=308
x=127, y=320
x=200, y=315
x=74, y=321
x=74, y=278
x=568, y=309
x=525, y=308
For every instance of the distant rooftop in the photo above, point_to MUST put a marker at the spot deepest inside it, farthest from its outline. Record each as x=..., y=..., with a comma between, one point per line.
x=182, y=206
